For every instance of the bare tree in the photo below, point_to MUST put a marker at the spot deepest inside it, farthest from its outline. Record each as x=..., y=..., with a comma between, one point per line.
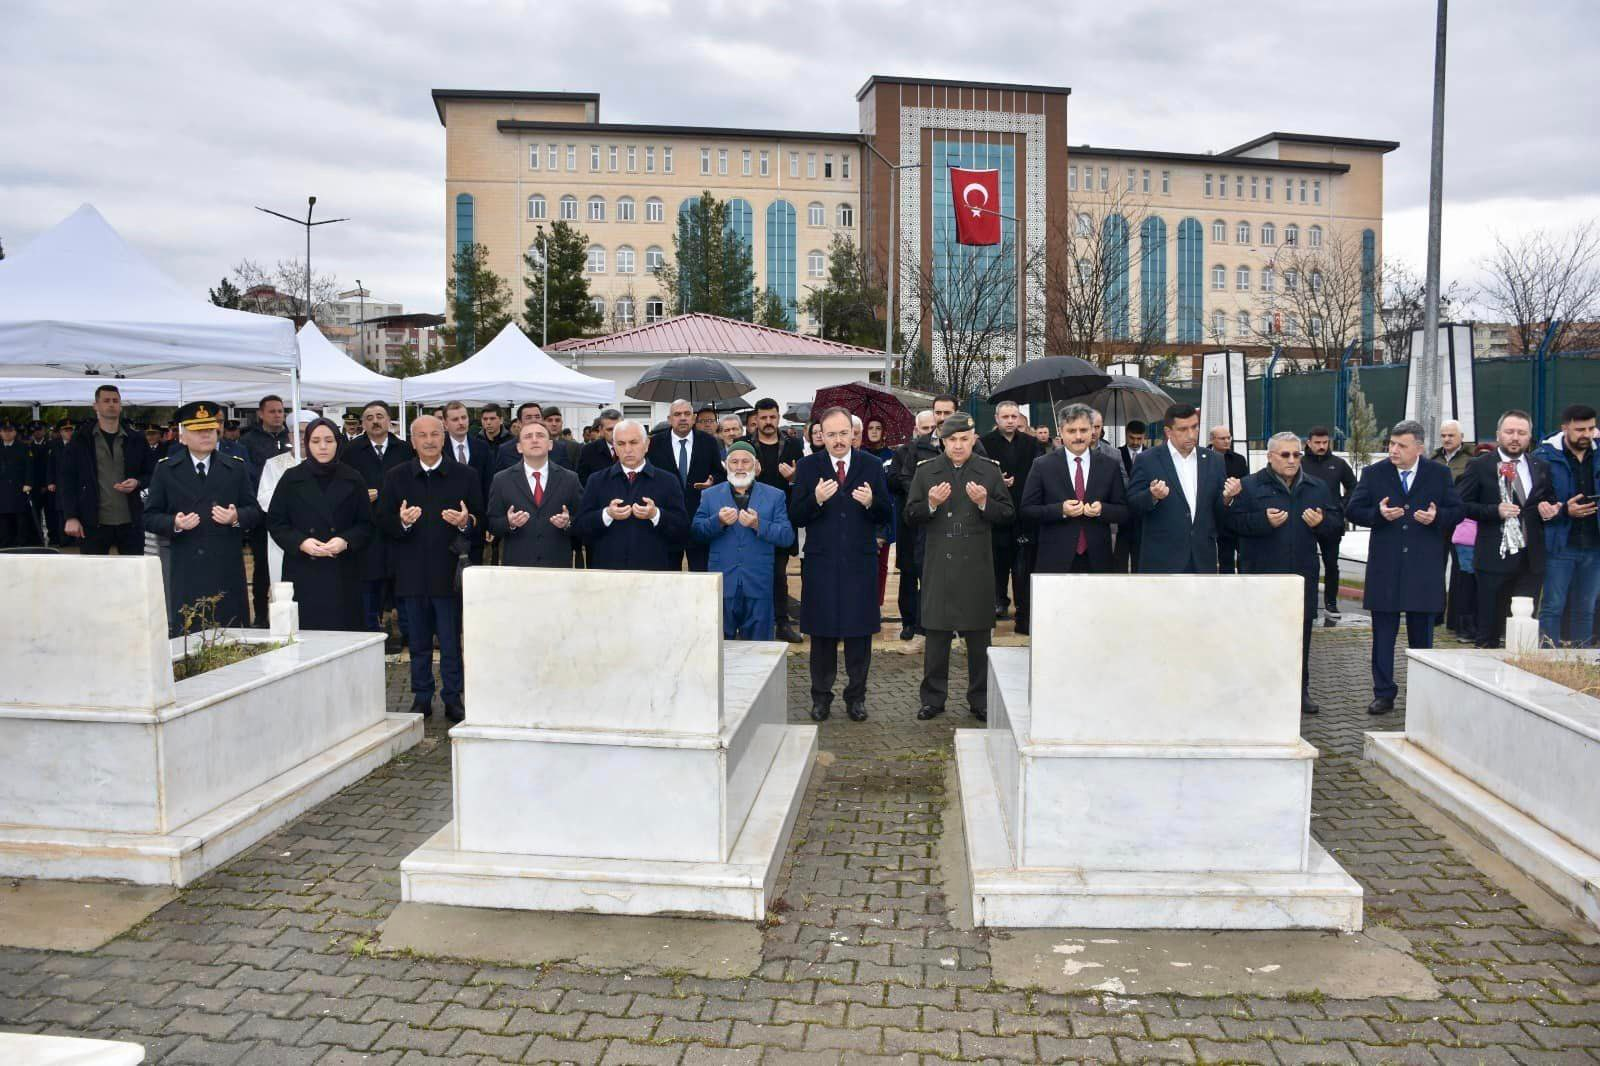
x=1099, y=315
x=1404, y=292
x=1314, y=300
x=1544, y=278
x=288, y=280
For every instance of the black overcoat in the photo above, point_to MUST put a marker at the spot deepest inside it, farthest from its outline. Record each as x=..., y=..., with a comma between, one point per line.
x=304, y=506
x=632, y=544
x=839, y=571
x=423, y=557
x=1405, y=558
x=209, y=558
x=360, y=454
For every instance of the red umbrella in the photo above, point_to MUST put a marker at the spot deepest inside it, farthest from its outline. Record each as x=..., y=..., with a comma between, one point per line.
x=867, y=401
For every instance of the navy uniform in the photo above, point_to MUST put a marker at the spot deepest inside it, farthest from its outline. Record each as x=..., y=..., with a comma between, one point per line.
x=958, y=567
x=209, y=558
x=16, y=487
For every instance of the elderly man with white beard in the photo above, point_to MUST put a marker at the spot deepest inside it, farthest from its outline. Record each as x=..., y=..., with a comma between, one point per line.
x=744, y=522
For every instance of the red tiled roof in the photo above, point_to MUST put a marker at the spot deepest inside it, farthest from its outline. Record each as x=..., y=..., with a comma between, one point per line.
x=703, y=334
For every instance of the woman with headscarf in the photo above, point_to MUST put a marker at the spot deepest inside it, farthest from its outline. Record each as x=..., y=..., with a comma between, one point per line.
x=321, y=518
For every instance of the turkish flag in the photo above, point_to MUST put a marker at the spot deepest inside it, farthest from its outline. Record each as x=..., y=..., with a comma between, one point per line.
x=975, y=196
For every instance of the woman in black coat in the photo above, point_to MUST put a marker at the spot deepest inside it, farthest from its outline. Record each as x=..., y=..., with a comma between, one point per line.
x=321, y=519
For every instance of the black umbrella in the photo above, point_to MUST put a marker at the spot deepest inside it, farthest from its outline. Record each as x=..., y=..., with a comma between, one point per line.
x=1049, y=380
x=729, y=406
x=1125, y=397
x=696, y=378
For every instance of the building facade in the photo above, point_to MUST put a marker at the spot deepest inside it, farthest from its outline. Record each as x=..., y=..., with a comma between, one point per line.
x=1153, y=252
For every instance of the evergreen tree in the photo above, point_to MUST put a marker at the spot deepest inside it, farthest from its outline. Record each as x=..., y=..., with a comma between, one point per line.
x=479, y=302
x=847, y=307
x=571, y=313
x=227, y=294
x=712, y=270
x=1363, y=436
x=770, y=311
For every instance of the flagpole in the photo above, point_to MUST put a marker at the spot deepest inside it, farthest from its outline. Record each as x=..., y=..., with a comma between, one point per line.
x=894, y=256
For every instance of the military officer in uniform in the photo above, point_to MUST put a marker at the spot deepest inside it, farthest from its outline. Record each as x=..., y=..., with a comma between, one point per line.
x=958, y=498
x=205, y=501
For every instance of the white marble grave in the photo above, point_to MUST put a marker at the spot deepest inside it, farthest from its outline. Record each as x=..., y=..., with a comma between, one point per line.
x=1148, y=772
x=23, y=1049
x=110, y=769
x=1511, y=755
x=633, y=763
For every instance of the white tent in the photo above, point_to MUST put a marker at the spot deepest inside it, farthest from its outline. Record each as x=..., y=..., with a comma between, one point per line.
x=79, y=301
x=510, y=367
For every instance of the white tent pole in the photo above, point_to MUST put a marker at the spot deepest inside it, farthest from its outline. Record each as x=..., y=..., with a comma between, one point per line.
x=294, y=417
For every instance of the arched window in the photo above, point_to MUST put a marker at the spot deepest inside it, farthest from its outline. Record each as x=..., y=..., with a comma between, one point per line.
x=1219, y=232
x=597, y=209
x=1269, y=234
x=1241, y=233
x=569, y=208
x=596, y=261
x=1219, y=326
x=625, y=209
x=598, y=305
x=654, y=258
x=1316, y=281
x=814, y=214
x=1084, y=225
x=847, y=216
x=654, y=310
x=1243, y=324
x=1291, y=234
x=1219, y=277
x=1241, y=279
x=1269, y=279
x=1191, y=279
x=1153, y=279
x=816, y=264
x=536, y=208
x=1114, y=269
x=625, y=259
x=625, y=312
x=653, y=211
x=781, y=254
x=1314, y=236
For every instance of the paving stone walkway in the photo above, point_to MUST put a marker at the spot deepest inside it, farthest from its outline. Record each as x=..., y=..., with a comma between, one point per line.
x=270, y=959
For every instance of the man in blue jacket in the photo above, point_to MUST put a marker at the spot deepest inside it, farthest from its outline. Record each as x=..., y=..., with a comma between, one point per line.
x=1411, y=505
x=744, y=522
x=1572, y=537
x=1282, y=519
x=1181, y=493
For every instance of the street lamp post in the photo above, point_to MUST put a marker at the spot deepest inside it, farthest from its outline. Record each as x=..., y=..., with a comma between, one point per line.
x=1429, y=373
x=361, y=327
x=311, y=203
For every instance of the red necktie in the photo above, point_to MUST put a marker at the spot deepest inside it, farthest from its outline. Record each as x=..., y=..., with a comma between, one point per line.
x=840, y=474
x=538, y=490
x=631, y=475
x=1077, y=487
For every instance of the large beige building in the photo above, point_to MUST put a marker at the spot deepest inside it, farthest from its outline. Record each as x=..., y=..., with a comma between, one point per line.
x=1183, y=251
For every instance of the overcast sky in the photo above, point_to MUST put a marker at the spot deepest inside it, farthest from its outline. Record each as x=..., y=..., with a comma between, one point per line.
x=175, y=119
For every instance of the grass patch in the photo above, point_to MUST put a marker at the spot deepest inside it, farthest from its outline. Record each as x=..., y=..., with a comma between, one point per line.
x=1573, y=669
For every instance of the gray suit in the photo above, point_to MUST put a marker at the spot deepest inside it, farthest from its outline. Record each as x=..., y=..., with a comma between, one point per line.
x=537, y=543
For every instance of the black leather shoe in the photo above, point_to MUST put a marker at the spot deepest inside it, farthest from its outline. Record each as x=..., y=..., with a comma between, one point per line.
x=787, y=633
x=981, y=715
x=422, y=705
x=1000, y=613
x=1309, y=706
x=927, y=712
x=820, y=710
x=907, y=633
x=1380, y=706
x=454, y=711
x=857, y=710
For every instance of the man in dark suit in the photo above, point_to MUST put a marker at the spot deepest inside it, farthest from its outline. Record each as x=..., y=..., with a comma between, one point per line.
x=598, y=454
x=17, y=486
x=461, y=447
x=505, y=453
x=373, y=455
x=1073, y=497
x=840, y=498
x=631, y=514
x=563, y=450
x=1237, y=467
x=1125, y=553
x=908, y=545
x=696, y=459
x=1509, y=492
x=1334, y=472
x=777, y=456
x=1411, y=505
x=103, y=471
x=1015, y=451
x=427, y=509
x=1134, y=445
x=1181, y=493
x=533, y=505
x=205, y=500
x=1282, y=518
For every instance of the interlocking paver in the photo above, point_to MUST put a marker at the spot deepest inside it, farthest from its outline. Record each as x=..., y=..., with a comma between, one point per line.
x=268, y=960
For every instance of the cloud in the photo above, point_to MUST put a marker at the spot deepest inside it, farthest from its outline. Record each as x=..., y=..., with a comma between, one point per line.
x=176, y=120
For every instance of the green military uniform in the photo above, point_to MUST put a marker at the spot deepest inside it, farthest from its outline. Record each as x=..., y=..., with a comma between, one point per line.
x=957, y=568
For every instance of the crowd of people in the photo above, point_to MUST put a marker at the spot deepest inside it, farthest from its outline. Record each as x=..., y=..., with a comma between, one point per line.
x=369, y=523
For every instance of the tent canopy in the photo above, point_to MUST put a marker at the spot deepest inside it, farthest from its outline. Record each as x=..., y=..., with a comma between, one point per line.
x=508, y=367
x=328, y=376
x=79, y=301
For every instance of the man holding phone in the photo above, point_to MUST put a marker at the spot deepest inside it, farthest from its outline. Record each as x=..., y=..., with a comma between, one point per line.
x=1572, y=537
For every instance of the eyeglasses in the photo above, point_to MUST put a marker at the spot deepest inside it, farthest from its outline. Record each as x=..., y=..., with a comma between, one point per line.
x=1288, y=455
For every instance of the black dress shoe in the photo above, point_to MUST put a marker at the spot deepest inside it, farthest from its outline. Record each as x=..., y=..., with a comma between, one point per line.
x=857, y=710
x=1000, y=613
x=907, y=633
x=981, y=715
x=1309, y=706
x=454, y=711
x=926, y=712
x=820, y=710
x=422, y=705
x=787, y=633
x=1380, y=706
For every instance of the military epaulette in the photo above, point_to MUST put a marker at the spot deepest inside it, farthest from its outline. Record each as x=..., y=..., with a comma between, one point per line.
x=235, y=458
x=986, y=459
x=163, y=459
x=929, y=459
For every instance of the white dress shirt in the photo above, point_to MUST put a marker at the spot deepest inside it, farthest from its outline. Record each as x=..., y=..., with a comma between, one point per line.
x=1072, y=470
x=379, y=447
x=461, y=450
x=542, y=471
x=1188, y=476
x=688, y=450
x=833, y=464
x=605, y=516
x=202, y=461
